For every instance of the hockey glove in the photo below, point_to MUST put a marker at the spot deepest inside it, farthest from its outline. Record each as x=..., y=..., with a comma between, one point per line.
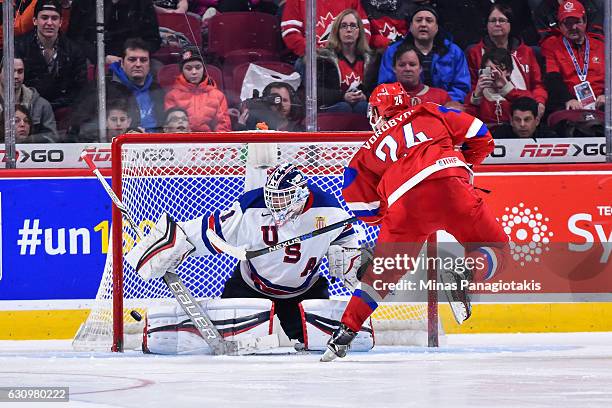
x=347, y=264
x=161, y=251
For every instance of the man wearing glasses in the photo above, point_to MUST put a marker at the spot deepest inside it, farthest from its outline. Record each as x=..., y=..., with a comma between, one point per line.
x=575, y=62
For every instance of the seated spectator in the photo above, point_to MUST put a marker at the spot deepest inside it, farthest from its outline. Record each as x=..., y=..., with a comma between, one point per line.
x=293, y=26
x=54, y=65
x=24, y=17
x=279, y=108
x=131, y=80
x=42, y=119
x=123, y=19
x=407, y=69
x=170, y=6
x=118, y=120
x=575, y=63
x=524, y=122
x=176, y=120
x=23, y=128
x=526, y=72
x=388, y=20
x=443, y=62
x=544, y=14
x=490, y=100
x=198, y=95
x=345, y=68
x=466, y=20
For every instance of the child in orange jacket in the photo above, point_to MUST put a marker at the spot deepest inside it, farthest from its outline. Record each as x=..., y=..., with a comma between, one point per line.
x=197, y=93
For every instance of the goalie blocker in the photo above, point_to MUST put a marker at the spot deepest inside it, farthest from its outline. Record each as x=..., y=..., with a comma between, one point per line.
x=169, y=330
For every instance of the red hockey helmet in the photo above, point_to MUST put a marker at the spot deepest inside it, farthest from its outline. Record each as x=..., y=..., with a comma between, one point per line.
x=386, y=101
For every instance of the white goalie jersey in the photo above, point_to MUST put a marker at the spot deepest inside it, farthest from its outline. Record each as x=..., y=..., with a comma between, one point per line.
x=287, y=272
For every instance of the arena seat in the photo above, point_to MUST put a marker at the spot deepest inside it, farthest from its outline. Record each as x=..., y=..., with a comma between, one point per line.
x=338, y=121
x=258, y=32
x=577, y=123
x=579, y=115
x=188, y=25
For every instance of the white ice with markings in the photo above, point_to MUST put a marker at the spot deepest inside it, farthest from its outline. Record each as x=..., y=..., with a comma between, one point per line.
x=520, y=370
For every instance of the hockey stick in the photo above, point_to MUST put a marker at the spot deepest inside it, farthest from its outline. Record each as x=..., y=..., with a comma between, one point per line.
x=190, y=306
x=243, y=254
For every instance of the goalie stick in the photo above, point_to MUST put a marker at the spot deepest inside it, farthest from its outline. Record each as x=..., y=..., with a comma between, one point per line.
x=244, y=254
x=196, y=314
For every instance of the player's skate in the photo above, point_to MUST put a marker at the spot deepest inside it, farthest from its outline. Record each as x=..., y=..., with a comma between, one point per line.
x=339, y=343
x=458, y=298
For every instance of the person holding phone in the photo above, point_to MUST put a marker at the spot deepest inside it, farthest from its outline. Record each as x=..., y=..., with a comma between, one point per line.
x=501, y=32
x=346, y=69
x=494, y=92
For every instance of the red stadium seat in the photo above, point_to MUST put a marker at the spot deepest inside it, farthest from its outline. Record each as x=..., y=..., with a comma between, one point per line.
x=576, y=123
x=250, y=30
x=168, y=73
x=186, y=24
x=330, y=121
x=574, y=116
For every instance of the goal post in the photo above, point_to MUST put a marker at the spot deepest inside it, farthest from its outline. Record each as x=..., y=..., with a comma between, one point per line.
x=194, y=174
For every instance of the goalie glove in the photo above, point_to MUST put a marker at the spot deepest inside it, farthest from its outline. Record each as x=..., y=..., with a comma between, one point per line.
x=348, y=264
x=161, y=251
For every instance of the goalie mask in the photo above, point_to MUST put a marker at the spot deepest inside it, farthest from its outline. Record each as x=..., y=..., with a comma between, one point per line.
x=386, y=101
x=285, y=193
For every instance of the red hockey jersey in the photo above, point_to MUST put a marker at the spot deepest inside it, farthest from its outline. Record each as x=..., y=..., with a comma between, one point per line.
x=427, y=141
x=293, y=26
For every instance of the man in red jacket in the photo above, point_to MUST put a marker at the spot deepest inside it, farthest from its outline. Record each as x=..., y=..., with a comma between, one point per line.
x=575, y=62
x=409, y=178
x=293, y=24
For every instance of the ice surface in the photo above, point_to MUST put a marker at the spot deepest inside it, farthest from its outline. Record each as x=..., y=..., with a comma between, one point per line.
x=520, y=370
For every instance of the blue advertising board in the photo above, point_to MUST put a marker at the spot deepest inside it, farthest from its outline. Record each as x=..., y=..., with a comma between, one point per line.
x=55, y=235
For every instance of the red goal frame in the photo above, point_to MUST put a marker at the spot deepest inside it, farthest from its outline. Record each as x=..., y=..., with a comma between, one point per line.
x=229, y=137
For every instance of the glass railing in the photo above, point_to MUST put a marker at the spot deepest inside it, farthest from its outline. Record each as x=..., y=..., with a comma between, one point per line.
x=193, y=72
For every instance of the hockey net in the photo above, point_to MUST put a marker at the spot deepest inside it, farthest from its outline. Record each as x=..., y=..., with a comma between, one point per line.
x=191, y=175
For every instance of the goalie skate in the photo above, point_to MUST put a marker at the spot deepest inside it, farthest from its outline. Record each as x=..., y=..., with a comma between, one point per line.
x=339, y=343
x=458, y=299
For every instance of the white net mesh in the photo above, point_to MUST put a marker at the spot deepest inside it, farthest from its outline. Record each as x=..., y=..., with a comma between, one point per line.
x=190, y=180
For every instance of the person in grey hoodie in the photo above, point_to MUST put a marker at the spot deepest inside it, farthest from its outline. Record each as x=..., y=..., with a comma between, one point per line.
x=41, y=113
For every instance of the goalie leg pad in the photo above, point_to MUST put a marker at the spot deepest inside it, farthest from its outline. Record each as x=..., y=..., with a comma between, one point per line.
x=161, y=251
x=321, y=317
x=169, y=330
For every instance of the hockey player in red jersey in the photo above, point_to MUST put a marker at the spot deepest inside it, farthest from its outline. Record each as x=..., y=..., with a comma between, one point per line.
x=413, y=177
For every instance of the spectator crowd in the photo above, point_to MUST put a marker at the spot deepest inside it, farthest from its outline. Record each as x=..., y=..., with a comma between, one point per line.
x=525, y=68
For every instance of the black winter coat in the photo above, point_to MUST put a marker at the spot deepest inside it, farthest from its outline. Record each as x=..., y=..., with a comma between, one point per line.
x=123, y=20
x=62, y=84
